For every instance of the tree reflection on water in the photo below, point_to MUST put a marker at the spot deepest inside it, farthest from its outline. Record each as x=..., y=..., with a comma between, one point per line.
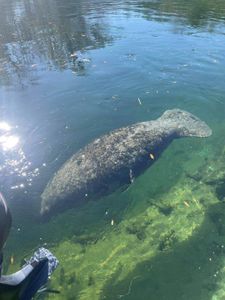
x=46, y=33
x=194, y=12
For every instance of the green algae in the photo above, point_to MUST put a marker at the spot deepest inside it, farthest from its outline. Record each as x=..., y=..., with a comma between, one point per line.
x=121, y=252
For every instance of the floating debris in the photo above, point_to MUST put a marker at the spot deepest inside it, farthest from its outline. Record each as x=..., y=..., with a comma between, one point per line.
x=152, y=156
x=196, y=202
x=12, y=260
x=73, y=55
x=186, y=204
x=33, y=66
x=85, y=60
x=131, y=176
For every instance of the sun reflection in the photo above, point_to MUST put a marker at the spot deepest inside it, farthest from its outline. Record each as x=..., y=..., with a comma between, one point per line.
x=9, y=142
x=14, y=164
x=5, y=126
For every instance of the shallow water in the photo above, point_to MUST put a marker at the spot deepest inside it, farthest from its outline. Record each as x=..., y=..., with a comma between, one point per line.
x=136, y=59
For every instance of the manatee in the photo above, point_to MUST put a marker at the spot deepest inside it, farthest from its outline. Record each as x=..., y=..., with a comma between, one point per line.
x=116, y=158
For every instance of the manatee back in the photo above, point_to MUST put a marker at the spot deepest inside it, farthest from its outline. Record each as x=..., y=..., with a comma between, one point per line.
x=104, y=165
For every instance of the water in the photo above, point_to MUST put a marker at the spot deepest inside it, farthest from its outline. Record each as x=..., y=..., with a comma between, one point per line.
x=71, y=71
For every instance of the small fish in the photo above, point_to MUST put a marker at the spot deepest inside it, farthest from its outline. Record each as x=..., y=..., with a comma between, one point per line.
x=151, y=156
x=112, y=222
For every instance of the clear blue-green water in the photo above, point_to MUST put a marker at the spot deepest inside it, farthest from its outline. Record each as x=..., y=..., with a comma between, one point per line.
x=136, y=59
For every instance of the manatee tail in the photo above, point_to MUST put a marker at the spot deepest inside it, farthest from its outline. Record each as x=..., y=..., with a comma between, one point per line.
x=185, y=123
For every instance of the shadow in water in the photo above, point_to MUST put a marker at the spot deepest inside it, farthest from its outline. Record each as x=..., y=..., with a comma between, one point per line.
x=190, y=270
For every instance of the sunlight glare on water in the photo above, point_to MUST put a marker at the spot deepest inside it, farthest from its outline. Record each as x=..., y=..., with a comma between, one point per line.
x=4, y=126
x=8, y=142
x=13, y=159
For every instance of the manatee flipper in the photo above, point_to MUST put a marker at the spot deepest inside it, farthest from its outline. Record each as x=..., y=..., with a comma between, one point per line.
x=185, y=123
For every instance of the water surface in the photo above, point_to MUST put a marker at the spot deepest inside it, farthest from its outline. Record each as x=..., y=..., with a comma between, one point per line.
x=71, y=71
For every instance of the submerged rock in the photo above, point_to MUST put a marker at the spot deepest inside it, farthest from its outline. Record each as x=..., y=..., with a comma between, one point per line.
x=106, y=163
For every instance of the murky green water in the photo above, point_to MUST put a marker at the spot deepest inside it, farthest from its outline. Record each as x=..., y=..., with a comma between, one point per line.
x=71, y=71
